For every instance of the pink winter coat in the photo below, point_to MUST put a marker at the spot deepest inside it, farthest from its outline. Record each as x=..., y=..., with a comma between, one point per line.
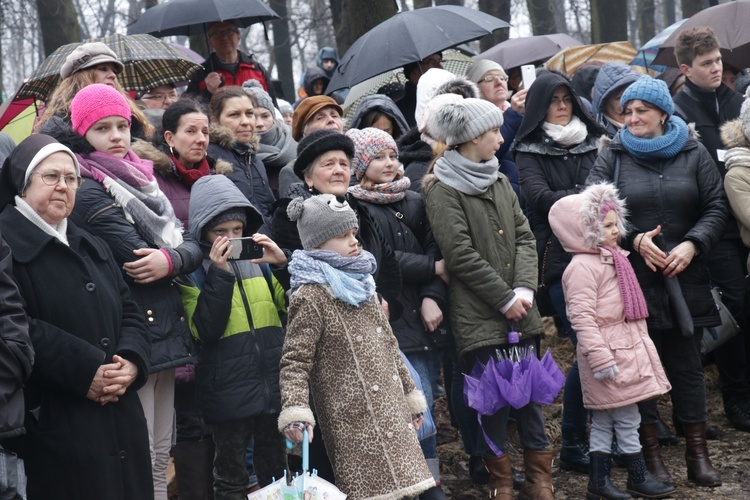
x=595, y=309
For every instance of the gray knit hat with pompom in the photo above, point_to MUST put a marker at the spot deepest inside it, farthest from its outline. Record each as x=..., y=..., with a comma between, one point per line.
x=255, y=89
x=461, y=121
x=320, y=218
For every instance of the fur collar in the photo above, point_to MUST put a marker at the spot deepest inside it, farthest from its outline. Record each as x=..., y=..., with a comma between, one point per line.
x=162, y=163
x=428, y=182
x=224, y=137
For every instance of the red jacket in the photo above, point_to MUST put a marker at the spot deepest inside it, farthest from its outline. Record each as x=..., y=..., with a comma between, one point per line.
x=248, y=69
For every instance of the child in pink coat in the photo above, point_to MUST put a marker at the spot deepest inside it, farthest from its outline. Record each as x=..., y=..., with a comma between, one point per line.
x=618, y=362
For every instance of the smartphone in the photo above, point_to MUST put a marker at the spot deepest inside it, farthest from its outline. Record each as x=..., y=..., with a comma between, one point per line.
x=244, y=249
x=528, y=73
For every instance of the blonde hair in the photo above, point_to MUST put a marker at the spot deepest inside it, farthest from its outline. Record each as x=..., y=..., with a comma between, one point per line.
x=367, y=183
x=59, y=103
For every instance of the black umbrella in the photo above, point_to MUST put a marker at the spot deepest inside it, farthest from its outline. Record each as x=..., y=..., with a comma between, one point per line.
x=192, y=17
x=528, y=50
x=409, y=37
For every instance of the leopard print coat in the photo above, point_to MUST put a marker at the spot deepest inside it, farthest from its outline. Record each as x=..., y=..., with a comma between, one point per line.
x=364, y=395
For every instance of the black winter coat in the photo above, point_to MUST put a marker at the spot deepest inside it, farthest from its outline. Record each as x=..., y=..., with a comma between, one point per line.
x=686, y=196
x=406, y=229
x=172, y=344
x=547, y=173
x=387, y=275
x=248, y=172
x=80, y=314
x=415, y=155
x=16, y=352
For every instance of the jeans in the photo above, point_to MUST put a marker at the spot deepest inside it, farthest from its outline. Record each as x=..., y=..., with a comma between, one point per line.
x=424, y=364
x=681, y=359
x=574, y=415
x=529, y=418
x=726, y=265
x=624, y=421
x=249, y=465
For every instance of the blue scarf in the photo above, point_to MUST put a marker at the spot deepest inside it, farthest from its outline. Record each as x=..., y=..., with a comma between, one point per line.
x=350, y=278
x=664, y=146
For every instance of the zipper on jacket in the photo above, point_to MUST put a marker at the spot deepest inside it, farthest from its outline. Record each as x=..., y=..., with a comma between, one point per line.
x=100, y=211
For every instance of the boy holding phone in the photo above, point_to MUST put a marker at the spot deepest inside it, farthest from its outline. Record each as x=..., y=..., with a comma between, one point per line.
x=233, y=310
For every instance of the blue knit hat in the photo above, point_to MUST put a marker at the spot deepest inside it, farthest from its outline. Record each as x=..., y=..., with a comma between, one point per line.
x=651, y=90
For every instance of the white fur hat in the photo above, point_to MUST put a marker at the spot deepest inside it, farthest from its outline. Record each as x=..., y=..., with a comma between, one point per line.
x=460, y=121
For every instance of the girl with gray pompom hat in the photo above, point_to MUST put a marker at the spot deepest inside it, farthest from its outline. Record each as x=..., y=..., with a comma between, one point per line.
x=340, y=347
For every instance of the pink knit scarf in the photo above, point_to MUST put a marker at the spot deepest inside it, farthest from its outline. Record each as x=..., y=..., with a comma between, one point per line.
x=633, y=300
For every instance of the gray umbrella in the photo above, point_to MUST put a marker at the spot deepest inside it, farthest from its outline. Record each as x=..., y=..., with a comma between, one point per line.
x=409, y=37
x=528, y=50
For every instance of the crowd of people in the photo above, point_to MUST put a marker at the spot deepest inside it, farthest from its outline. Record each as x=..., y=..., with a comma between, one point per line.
x=205, y=273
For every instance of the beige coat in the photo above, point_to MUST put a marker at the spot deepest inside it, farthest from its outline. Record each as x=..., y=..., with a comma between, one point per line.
x=737, y=179
x=364, y=395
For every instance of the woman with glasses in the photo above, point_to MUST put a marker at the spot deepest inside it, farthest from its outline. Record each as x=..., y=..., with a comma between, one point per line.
x=86, y=436
x=556, y=146
x=226, y=65
x=121, y=202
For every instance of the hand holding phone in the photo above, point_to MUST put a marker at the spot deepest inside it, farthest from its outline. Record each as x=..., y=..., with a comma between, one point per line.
x=528, y=74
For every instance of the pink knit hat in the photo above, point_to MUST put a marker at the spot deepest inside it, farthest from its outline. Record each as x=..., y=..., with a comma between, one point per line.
x=94, y=102
x=368, y=143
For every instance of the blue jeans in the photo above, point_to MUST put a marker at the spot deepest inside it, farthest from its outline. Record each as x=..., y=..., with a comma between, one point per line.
x=249, y=465
x=574, y=415
x=424, y=364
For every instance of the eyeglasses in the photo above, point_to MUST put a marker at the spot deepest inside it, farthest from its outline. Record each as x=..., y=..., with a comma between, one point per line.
x=223, y=33
x=72, y=182
x=160, y=97
x=493, y=79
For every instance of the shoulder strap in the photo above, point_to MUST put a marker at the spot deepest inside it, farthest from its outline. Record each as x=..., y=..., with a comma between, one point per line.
x=616, y=176
x=240, y=285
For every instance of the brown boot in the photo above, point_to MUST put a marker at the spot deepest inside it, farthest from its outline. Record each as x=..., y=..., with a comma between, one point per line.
x=501, y=479
x=652, y=454
x=700, y=470
x=538, y=469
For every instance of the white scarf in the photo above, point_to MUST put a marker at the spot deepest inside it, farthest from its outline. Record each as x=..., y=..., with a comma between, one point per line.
x=573, y=133
x=59, y=231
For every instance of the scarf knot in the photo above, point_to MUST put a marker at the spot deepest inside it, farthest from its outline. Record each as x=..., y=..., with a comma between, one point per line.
x=664, y=146
x=190, y=175
x=382, y=194
x=464, y=175
x=633, y=301
x=349, y=278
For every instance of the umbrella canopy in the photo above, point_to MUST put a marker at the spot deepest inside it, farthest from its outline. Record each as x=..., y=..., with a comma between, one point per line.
x=409, y=37
x=192, y=17
x=17, y=117
x=453, y=60
x=570, y=59
x=647, y=53
x=149, y=63
x=729, y=22
x=528, y=50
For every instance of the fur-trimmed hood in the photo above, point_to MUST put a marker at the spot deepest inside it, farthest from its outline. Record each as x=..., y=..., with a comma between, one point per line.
x=576, y=219
x=224, y=137
x=162, y=163
x=733, y=136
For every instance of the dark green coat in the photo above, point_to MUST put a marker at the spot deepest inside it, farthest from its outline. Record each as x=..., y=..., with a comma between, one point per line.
x=489, y=249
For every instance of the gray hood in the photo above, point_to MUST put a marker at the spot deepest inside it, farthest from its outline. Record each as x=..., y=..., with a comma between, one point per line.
x=611, y=77
x=385, y=105
x=214, y=194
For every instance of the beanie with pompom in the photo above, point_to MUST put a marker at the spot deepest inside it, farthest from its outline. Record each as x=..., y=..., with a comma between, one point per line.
x=320, y=218
x=460, y=121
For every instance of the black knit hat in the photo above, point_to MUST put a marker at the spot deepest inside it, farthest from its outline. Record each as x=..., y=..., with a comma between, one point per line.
x=315, y=144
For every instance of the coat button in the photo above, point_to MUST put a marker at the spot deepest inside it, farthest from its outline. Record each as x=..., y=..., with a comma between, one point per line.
x=359, y=338
x=507, y=265
x=182, y=318
x=123, y=455
x=375, y=388
x=104, y=342
x=150, y=320
x=501, y=232
x=379, y=330
x=90, y=287
x=410, y=426
x=149, y=312
x=395, y=378
x=389, y=434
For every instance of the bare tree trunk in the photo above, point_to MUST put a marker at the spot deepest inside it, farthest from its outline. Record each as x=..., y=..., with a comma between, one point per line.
x=558, y=9
x=450, y=2
x=497, y=8
x=108, y=24
x=670, y=16
x=321, y=24
x=690, y=7
x=282, y=49
x=608, y=24
x=646, y=29
x=58, y=23
x=349, y=23
x=542, y=17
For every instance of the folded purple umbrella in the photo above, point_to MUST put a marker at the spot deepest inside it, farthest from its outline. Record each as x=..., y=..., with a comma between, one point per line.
x=512, y=380
x=546, y=379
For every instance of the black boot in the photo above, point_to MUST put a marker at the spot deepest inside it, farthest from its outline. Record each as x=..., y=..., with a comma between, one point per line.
x=600, y=486
x=477, y=471
x=574, y=453
x=434, y=493
x=664, y=433
x=640, y=481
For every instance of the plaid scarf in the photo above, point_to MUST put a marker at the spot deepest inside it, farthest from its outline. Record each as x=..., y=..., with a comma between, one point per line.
x=382, y=194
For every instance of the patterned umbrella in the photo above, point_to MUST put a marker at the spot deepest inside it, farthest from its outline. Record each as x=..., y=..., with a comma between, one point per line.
x=570, y=59
x=648, y=51
x=149, y=63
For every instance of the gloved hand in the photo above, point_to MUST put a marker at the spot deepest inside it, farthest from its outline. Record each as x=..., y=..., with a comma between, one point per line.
x=293, y=431
x=608, y=373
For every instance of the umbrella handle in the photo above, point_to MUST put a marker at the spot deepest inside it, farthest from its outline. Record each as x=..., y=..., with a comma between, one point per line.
x=305, y=452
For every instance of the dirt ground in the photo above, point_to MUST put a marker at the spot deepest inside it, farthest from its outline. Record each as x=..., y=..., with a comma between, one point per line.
x=730, y=454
